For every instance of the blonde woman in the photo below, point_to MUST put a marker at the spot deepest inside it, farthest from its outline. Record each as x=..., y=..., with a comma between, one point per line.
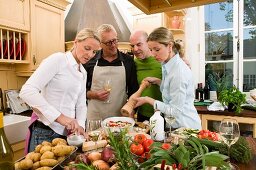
x=177, y=85
x=57, y=92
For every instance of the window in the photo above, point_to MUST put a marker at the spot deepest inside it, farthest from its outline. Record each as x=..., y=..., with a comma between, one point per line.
x=230, y=43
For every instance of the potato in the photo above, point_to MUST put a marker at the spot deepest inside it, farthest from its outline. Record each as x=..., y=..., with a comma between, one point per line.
x=47, y=155
x=25, y=164
x=44, y=168
x=33, y=156
x=61, y=158
x=48, y=162
x=59, y=141
x=45, y=148
x=101, y=165
x=38, y=147
x=114, y=167
x=62, y=150
x=36, y=165
x=46, y=143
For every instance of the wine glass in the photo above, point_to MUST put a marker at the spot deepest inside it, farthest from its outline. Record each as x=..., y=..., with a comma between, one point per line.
x=94, y=130
x=107, y=87
x=168, y=116
x=229, y=132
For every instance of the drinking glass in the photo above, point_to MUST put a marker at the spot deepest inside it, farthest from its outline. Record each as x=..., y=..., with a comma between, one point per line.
x=107, y=87
x=229, y=132
x=94, y=130
x=168, y=116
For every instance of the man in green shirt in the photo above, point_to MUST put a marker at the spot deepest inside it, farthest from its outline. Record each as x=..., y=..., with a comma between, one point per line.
x=146, y=66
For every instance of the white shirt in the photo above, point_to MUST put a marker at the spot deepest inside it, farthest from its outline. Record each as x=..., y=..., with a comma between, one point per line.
x=63, y=90
x=177, y=89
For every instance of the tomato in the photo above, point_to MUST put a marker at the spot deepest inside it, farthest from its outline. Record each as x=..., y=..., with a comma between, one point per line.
x=142, y=158
x=137, y=149
x=147, y=155
x=166, y=146
x=146, y=144
x=140, y=138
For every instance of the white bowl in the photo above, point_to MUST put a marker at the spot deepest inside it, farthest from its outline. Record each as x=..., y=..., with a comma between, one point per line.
x=75, y=140
x=105, y=123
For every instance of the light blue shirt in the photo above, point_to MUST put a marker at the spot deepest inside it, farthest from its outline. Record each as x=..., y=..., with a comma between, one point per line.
x=177, y=89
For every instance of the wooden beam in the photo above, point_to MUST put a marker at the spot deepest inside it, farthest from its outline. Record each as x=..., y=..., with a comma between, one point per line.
x=168, y=2
x=157, y=6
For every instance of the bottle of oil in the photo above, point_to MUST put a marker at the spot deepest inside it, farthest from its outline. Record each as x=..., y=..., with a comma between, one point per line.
x=157, y=127
x=6, y=153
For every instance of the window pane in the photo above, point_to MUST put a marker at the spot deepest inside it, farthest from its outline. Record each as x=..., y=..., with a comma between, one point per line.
x=250, y=43
x=249, y=12
x=218, y=16
x=219, y=75
x=219, y=46
x=249, y=76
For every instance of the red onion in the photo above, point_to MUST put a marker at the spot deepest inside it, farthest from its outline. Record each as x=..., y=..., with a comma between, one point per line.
x=108, y=155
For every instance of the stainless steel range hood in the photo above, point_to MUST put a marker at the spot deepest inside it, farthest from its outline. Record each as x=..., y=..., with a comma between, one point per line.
x=93, y=13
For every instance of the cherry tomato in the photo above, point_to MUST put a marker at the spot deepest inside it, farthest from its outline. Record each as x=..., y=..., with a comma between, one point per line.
x=146, y=144
x=137, y=149
x=166, y=146
x=140, y=138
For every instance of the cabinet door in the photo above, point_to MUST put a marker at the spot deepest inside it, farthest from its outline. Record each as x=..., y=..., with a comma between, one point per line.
x=15, y=14
x=47, y=31
x=147, y=22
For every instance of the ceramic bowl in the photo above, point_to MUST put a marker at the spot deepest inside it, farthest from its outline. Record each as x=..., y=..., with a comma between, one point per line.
x=123, y=122
x=75, y=140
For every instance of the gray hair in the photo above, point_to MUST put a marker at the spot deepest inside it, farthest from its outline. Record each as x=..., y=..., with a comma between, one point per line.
x=105, y=28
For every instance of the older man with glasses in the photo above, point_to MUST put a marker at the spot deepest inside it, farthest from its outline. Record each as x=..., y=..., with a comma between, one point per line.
x=116, y=67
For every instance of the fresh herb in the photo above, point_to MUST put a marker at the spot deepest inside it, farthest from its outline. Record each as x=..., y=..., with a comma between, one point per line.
x=232, y=98
x=121, y=146
x=192, y=155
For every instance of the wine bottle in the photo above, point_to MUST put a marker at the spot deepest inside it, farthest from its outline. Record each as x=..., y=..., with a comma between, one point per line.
x=206, y=91
x=6, y=153
x=200, y=92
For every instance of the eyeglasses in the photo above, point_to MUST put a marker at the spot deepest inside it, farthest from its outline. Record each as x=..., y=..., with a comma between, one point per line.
x=109, y=43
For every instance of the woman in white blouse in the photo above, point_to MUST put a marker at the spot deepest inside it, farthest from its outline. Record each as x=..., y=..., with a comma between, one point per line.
x=177, y=85
x=57, y=92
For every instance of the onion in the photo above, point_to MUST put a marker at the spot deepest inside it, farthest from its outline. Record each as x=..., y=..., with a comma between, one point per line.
x=94, y=156
x=82, y=158
x=108, y=155
x=101, y=165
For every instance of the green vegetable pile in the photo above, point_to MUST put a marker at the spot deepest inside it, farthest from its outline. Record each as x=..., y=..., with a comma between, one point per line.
x=192, y=156
x=240, y=151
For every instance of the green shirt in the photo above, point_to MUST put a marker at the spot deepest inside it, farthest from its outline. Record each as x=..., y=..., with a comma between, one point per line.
x=149, y=67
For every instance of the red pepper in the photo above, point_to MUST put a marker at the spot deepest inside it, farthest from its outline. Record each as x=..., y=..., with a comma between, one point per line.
x=163, y=164
x=174, y=166
x=179, y=166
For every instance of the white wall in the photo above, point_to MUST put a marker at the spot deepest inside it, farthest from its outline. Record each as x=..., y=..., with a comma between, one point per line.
x=192, y=44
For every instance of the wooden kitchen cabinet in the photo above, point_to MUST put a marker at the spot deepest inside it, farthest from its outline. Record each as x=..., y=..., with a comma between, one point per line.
x=47, y=32
x=150, y=22
x=15, y=14
x=174, y=18
x=18, y=149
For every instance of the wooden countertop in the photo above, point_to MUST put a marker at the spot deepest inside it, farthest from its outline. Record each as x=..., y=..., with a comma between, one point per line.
x=244, y=113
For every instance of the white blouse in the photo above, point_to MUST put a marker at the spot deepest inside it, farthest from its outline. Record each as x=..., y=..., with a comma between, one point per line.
x=57, y=86
x=177, y=89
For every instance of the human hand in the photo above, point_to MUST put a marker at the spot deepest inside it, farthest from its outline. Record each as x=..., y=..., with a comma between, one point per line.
x=98, y=94
x=70, y=124
x=143, y=100
x=153, y=80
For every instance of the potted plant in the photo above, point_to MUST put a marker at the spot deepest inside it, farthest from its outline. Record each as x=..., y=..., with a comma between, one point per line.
x=233, y=98
x=218, y=81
